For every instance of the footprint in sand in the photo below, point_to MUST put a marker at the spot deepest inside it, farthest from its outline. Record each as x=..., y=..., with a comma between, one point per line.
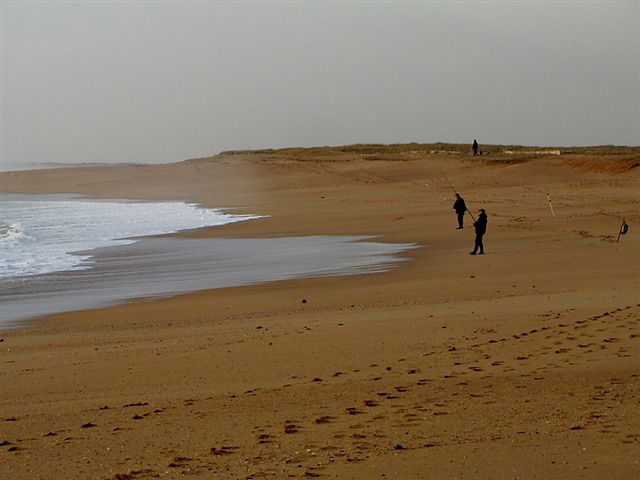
x=324, y=419
x=310, y=473
x=178, y=462
x=225, y=450
x=265, y=438
x=290, y=427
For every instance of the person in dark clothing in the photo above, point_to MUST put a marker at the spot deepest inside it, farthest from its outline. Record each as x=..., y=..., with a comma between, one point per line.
x=460, y=207
x=476, y=147
x=481, y=229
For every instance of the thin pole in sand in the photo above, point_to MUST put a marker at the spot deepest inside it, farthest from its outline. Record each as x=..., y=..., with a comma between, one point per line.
x=623, y=229
x=551, y=206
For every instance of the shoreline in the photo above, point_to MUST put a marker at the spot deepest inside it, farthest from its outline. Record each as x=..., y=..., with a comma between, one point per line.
x=155, y=267
x=451, y=363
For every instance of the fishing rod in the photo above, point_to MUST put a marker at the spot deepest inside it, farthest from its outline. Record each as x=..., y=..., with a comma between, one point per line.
x=624, y=228
x=437, y=192
x=448, y=182
x=456, y=192
x=472, y=217
x=443, y=197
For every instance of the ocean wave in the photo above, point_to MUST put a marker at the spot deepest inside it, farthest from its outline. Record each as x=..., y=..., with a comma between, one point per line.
x=11, y=235
x=57, y=233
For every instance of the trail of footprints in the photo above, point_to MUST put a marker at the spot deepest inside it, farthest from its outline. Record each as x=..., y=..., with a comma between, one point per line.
x=360, y=429
x=603, y=331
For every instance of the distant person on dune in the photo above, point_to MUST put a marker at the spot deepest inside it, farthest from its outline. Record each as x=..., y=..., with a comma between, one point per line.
x=476, y=147
x=481, y=229
x=460, y=207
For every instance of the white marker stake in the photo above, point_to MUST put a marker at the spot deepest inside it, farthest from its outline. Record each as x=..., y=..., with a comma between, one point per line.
x=551, y=206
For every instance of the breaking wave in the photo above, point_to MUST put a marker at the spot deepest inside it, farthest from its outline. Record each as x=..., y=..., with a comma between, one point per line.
x=44, y=234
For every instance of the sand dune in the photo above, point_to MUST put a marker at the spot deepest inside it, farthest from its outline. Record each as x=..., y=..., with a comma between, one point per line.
x=522, y=363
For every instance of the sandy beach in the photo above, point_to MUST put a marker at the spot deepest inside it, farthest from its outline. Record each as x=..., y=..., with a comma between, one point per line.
x=522, y=363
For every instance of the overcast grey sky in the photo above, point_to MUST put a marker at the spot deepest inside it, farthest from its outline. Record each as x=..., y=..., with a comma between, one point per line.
x=165, y=81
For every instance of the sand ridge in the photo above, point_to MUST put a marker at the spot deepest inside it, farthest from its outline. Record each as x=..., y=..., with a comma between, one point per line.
x=518, y=364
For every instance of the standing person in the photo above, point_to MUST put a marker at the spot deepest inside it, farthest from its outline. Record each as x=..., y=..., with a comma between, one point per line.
x=475, y=147
x=481, y=229
x=460, y=207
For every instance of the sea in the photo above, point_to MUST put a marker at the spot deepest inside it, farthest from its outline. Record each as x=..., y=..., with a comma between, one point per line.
x=63, y=253
x=43, y=234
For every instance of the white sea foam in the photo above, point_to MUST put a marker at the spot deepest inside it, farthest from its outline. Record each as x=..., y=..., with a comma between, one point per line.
x=40, y=234
x=12, y=235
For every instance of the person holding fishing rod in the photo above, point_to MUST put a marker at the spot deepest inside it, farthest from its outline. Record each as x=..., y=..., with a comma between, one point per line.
x=481, y=228
x=480, y=223
x=460, y=207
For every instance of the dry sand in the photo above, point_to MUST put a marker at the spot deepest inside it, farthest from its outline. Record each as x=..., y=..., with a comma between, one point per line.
x=522, y=363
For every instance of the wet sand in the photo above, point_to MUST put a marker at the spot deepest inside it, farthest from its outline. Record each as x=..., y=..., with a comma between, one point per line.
x=161, y=267
x=522, y=363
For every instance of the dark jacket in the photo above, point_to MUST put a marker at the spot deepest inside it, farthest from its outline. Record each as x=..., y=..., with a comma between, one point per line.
x=459, y=206
x=481, y=224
